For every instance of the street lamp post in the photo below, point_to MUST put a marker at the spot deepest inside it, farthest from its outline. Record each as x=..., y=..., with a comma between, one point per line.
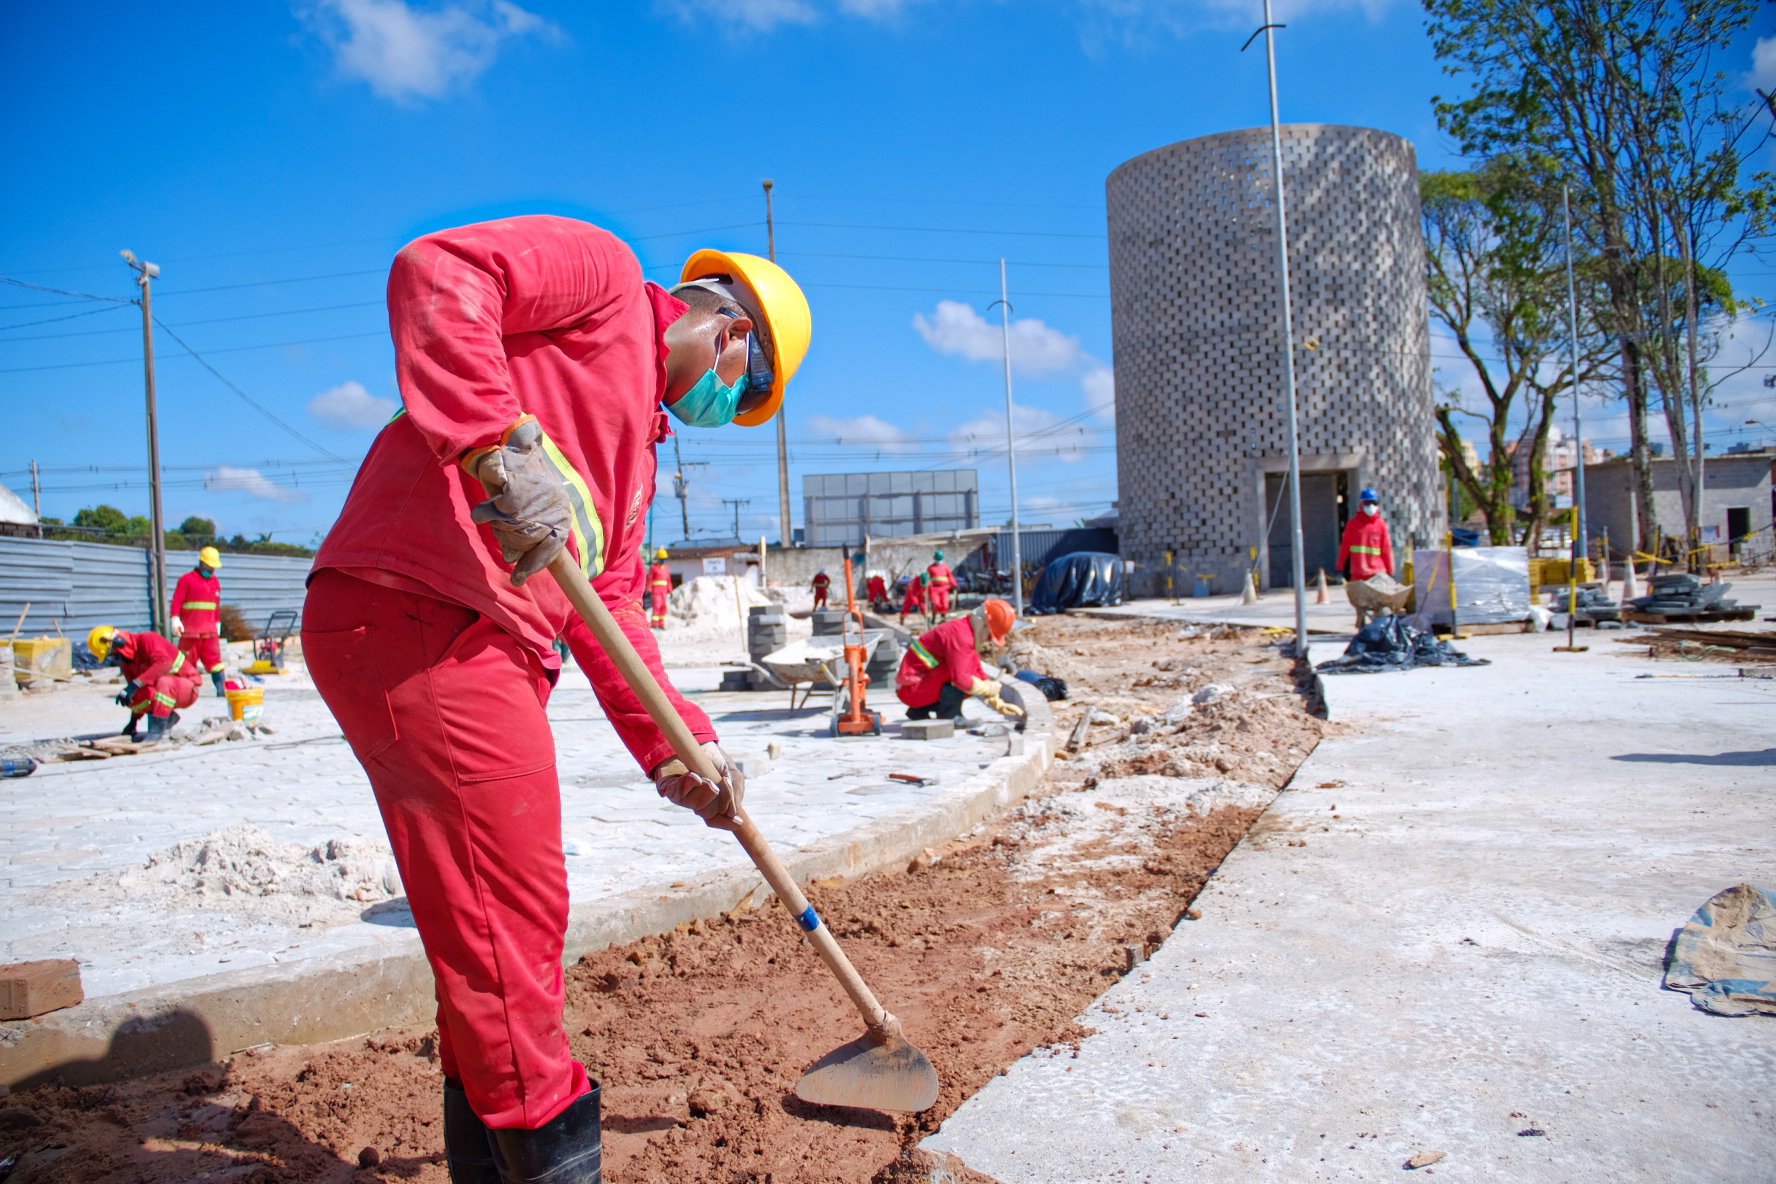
x=145, y=273
x=1017, y=547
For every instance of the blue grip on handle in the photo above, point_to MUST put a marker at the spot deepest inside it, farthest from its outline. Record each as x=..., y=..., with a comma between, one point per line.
x=809, y=920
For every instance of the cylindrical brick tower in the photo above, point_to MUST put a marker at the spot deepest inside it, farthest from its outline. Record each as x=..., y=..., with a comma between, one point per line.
x=1197, y=315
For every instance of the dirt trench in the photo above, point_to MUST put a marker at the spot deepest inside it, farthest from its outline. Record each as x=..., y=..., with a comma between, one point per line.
x=986, y=948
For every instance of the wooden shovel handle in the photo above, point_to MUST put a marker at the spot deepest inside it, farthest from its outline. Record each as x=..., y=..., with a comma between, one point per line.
x=641, y=680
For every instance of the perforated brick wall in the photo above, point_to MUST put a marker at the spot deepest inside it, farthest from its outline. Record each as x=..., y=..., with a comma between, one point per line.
x=1197, y=321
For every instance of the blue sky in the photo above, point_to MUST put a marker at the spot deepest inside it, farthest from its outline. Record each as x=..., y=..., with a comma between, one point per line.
x=271, y=158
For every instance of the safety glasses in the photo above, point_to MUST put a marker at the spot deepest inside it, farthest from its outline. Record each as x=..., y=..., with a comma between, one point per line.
x=760, y=377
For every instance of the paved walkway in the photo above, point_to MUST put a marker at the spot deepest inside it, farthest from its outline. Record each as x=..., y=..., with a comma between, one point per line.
x=1465, y=957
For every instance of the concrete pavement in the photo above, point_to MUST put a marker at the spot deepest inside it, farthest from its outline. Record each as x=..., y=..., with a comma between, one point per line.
x=1465, y=956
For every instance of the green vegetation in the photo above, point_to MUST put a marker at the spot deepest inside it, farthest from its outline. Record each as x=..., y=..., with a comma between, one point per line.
x=108, y=524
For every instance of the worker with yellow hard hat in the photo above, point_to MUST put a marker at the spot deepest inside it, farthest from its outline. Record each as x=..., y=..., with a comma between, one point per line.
x=158, y=678
x=197, y=616
x=659, y=589
x=538, y=371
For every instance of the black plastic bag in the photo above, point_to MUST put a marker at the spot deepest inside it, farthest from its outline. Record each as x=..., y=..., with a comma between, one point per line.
x=1084, y=579
x=1052, y=688
x=1391, y=643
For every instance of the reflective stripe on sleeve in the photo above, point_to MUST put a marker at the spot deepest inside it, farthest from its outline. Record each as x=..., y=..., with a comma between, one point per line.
x=924, y=655
x=588, y=530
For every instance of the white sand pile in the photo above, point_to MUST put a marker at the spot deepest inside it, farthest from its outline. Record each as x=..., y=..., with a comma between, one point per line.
x=243, y=867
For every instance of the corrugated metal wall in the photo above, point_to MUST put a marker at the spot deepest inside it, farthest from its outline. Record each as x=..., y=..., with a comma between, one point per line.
x=81, y=585
x=1041, y=546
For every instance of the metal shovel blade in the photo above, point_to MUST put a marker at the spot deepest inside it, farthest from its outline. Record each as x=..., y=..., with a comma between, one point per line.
x=872, y=1075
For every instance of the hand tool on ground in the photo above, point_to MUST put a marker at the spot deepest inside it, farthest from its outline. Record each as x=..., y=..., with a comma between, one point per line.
x=880, y=1070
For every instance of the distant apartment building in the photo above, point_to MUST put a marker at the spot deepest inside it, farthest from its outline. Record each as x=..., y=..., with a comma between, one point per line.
x=1559, y=459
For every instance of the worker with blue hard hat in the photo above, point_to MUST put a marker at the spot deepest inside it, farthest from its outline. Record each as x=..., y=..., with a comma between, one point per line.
x=1366, y=549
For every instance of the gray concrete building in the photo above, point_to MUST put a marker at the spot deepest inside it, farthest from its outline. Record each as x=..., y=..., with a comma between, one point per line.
x=1736, y=502
x=1199, y=369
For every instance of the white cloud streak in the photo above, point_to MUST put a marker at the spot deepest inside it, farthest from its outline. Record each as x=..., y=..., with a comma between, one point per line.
x=1763, y=65
x=349, y=407
x=761, y=16
x=863, y=430
x=1040, y=433
x=956, y=330
x=407, y=53
x=253, y=483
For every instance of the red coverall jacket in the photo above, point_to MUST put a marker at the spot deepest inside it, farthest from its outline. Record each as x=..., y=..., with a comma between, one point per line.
x=1367, y=547
x=197, y=603
x=878, y=589
x=942, y=655
x=166, y=679
x=543, y=316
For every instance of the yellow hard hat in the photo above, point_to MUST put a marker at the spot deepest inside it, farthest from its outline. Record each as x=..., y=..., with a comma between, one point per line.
x=761, y=287
x=210, y=557
x=99, y=641
x=660, y=554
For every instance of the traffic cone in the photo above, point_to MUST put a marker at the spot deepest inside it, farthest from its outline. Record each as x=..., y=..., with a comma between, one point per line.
x=1322, y=596
x=1249, y=594
x=1630, y=585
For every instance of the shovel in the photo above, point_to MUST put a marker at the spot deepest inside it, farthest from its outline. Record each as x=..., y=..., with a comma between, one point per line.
x=877, y=1071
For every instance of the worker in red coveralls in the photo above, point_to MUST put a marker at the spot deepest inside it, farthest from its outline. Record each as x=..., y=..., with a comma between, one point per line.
x=915, y=597
x=537, y=373
x=878, y=592
x=942, y=581
x=822, y=585
x=158, y=679
x=659, y=589
x=197, y=615
x=1366, y=549
x=943, y=667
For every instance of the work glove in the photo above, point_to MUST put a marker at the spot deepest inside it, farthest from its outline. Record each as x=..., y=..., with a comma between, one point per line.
x=987, y=691
x=178, y=627
x=716, y=803
x=529, y=507
x=126, y=694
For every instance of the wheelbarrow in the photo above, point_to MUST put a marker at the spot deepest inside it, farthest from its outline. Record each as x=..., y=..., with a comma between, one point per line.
x=814, y=664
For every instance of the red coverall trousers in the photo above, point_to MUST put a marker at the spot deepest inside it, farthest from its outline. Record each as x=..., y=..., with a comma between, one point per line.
x=204, y=650
x=165, y=695
x=446, y=713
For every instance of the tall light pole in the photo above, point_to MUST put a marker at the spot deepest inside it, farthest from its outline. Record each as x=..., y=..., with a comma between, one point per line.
x=1017, y=545
x=782, y=416
x=1297, y=561
x=1581, y=548
x=145, y=273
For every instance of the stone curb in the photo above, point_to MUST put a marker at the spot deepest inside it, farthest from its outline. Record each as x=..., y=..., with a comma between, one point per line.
x=319, y=999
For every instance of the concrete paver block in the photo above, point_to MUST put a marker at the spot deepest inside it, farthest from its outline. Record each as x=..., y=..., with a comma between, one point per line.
x=928, y=729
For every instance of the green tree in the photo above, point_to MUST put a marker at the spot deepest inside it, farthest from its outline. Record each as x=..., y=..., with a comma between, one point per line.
x=1495, y=271
x=194, y=528
x=109, y=519
x=1624, y=100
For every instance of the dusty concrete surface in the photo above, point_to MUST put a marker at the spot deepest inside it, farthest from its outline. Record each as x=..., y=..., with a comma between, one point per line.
x=176, y=977
x=1464, y=957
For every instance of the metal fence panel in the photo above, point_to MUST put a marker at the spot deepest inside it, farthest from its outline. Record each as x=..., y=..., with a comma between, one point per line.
x=1040, y=547
x=79, y=585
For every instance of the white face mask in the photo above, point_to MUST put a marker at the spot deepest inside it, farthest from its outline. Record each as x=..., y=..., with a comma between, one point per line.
x=1371, y=508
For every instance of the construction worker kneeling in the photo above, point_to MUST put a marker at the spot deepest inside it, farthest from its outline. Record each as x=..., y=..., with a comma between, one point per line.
x=943, y=667
x=157, y=678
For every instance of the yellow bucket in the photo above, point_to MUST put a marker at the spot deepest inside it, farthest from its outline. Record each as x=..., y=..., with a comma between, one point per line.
x=246, y=705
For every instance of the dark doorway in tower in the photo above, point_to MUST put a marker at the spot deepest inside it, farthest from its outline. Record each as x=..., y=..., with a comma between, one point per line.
x=1325, y=505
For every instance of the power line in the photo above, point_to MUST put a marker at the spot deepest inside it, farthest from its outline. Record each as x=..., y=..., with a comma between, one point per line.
x=251, y=316
x=233, y=349
x=70, y=316
x=248, y=399
x=945, y=230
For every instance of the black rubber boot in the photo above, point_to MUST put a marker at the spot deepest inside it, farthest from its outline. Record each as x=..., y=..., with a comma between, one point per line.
x=159, y=726
x=216, y=681
x=468, y=1146
x=129, y=729
x=569, y=1150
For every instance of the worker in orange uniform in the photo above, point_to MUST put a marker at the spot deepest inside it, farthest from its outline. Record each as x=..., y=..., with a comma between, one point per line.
x=942, y=582
x=158, y=679
x=915, y=597
x=538, y=372
x=197, y=615
x=943, y=667
x=822, y=585
x=659, y=588
x=878, y=592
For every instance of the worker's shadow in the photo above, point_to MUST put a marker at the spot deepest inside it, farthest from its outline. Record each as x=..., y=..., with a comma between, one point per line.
x=396, y=913
x=227, y=1130
x=873, y=1120
x=1759, y=758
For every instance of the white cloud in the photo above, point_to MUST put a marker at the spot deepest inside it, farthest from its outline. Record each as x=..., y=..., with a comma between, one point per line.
x=1135, y=22
x=764, y=15
x=407, y=53
x=1099, y=384
x=253, y=483
x=1763, y=65
x=349, y=406
x=956, y=329
x=1040, y=433
x=863, y=430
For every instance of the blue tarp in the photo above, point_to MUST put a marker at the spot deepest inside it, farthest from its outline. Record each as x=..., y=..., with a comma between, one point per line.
x=1725, y=957
x=1084, y=579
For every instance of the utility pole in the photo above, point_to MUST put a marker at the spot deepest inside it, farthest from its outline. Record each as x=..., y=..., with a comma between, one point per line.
x=1297, y=561
x=782, y=415
x=736, y=502
x=1017, y=546
x=1581, y=548
x=681, y=486
x=36, y=499
x=145, y=273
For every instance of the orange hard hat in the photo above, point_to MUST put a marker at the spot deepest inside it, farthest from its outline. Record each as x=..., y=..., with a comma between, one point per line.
x=1000, y=618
